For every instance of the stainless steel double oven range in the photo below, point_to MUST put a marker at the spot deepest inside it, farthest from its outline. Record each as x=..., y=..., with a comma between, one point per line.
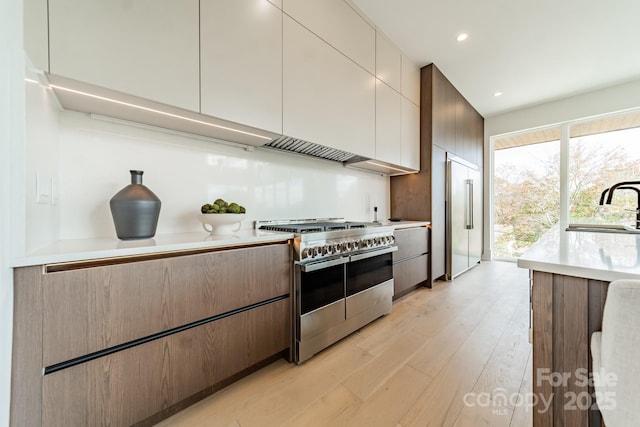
x=343, y=279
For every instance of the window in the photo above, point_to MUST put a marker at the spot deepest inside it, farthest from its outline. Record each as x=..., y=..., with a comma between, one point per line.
x=527, y=179
x=526, y=190
x=601, y=153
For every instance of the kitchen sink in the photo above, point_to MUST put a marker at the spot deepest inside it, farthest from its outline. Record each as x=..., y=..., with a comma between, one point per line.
x=603, y=228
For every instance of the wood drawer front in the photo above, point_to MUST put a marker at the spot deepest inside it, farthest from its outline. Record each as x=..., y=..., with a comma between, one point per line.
x=411, y=242
x=409, y=273
x=132, y=385
x=96, y=308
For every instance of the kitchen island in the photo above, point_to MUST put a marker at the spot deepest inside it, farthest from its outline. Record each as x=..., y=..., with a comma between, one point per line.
x=570, y=274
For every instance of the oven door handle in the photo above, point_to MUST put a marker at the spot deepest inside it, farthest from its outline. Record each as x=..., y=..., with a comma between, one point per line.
x=371, y=254
x=323, y=264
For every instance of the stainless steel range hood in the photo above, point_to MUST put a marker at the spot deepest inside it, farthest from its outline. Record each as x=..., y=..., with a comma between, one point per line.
x=83, y=97
x=354, y=161
x=285, y=143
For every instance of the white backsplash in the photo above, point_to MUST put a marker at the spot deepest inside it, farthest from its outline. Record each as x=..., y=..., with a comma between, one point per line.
x=185, y=172
x=41, y=153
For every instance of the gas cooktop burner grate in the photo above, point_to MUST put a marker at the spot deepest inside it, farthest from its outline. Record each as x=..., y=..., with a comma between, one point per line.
x=314, y=227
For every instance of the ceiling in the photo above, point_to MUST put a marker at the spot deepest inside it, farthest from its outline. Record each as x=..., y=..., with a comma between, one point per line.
x=618, y=122
x=532, y=51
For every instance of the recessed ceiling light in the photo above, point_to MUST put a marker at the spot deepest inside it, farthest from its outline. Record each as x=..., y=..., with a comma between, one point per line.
x=497, y=94
x=462, y=37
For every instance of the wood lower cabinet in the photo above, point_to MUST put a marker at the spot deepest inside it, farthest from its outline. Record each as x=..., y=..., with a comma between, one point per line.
x=133, y=341
x=566, y=311
x=131, y=385
x=410, y=261
x=90, y=309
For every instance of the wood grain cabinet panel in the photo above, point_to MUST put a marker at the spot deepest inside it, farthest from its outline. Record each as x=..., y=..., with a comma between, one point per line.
x=132, y=385
x=444, y=109
x=232, y=309
x=566, y=312
x=26, y=363
x=96, y=308
x=448, y=124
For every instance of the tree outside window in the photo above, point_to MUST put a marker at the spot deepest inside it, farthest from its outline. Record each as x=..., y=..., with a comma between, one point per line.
x=527, y=181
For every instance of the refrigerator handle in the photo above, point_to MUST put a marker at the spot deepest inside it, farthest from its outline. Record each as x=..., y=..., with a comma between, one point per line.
x=469, y=213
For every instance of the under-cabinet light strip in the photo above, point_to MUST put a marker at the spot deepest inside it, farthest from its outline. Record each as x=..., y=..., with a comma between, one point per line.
x=152, y=110
x=390, y=167
x=170, y=131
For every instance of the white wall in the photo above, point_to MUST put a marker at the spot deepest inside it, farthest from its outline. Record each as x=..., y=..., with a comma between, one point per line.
x=95, y=158
x=41, y=136
x=11, y=168
x=604, y=101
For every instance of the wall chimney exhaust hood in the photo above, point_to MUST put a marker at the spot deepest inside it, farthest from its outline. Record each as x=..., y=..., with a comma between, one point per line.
x=86, y=98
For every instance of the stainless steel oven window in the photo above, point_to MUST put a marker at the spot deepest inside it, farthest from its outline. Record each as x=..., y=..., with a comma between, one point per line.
x=321, y=287
x=365, y=273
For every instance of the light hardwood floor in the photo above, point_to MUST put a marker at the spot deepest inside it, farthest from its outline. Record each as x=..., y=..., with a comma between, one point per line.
x=455, y=355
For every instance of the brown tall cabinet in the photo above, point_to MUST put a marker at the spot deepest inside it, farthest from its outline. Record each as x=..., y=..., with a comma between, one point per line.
x=448, y=124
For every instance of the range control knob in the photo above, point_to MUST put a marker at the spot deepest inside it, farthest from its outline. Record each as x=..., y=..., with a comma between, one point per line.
x=392, y=240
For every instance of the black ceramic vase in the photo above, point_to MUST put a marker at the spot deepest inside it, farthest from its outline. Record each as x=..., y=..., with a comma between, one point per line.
x=135, y=210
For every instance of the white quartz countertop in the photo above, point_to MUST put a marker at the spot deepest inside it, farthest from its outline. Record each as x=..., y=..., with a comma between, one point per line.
x=100, y=248
x=111, y=247
x=593, y=255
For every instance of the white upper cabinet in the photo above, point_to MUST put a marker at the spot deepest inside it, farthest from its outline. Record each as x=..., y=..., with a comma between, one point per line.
x=36, y=23
x=327, y=98
x=410, y=84
x=388, y=124
x=241, y=62
x=388, y=61
x=147, y=48
x=410, y=134
x=339, y=25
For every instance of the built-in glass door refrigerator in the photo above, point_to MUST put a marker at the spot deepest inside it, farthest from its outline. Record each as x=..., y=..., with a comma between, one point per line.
x=464, y=216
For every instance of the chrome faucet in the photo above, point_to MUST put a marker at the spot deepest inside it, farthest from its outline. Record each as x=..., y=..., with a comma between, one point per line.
x=625, y=185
